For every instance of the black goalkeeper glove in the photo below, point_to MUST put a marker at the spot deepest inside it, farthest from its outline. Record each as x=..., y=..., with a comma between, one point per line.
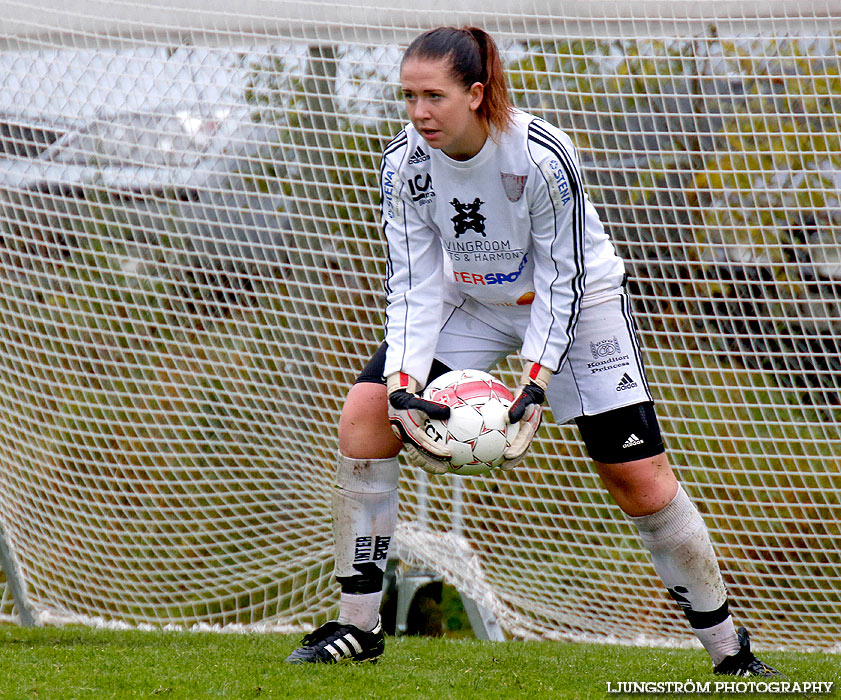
x=526, y=410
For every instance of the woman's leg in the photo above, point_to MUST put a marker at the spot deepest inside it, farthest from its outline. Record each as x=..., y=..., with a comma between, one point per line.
x=364, y=503
x=674, y=533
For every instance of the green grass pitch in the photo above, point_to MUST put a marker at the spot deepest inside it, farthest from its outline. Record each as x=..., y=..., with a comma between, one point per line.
x=80, y=663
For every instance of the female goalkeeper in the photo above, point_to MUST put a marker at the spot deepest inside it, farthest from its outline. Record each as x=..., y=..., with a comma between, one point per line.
x=494, y=248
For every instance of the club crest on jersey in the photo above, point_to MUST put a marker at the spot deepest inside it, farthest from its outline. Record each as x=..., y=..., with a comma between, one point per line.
x=468, y=217
x=418, y=157
x=514, y=185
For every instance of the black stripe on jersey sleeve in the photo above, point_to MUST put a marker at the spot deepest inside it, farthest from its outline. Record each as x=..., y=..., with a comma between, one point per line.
x=398, y=142
x=395, y=144
x=539, y=135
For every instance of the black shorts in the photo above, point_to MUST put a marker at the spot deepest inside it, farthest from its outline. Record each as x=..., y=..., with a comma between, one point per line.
x=373, y=371
x=623, y=434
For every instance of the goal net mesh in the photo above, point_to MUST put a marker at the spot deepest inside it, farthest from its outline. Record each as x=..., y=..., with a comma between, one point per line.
x=191, y=271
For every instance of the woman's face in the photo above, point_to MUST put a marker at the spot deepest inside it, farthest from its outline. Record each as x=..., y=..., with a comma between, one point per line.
x=441, y=109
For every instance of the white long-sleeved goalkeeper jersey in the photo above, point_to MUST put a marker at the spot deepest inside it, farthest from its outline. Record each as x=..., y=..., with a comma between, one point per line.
x=510, y=227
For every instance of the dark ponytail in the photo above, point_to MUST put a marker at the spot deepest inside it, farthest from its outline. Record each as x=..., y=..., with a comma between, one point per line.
x=474, y=58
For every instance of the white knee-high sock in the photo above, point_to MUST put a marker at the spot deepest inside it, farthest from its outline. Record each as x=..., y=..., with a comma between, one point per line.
x=684, y=559
x=364, y=519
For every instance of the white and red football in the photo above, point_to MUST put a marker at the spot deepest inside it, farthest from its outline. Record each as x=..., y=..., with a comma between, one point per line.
x=477, y=431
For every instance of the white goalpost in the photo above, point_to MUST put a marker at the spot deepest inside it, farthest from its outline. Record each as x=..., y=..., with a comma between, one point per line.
x=190, y=278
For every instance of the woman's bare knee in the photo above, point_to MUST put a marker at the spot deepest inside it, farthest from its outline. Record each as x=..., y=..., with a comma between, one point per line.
x=364, y=430
x=641, y=487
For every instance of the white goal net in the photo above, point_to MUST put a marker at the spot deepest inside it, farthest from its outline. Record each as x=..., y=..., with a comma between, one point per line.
x=190, y=279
